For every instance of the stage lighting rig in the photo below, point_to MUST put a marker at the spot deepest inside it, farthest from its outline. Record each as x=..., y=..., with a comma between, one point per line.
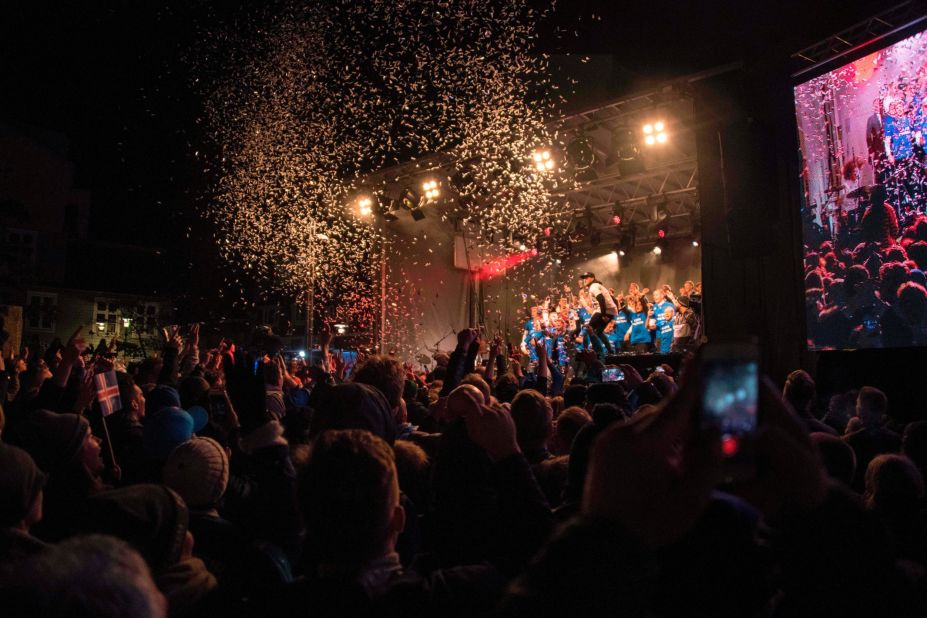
x=655, y=133
x=616, y=213
x=365, y=206
x=626, y=146
x=543, y=160
x=431, y=189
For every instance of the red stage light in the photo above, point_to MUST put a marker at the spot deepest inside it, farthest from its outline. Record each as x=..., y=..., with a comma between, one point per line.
x=547, y=231
x=730, y=445
x=661, y=233
x=616, y=220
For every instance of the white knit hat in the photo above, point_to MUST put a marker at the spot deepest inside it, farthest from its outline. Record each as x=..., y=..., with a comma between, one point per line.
x=198, y=470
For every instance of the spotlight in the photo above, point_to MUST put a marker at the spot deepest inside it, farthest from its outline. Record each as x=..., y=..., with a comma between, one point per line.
x=302, y=354
x=557, y=261
x=657, y=250
x=365, y=206
x=341, y=328
x=543, y=161
x=614, y=254
x=616, y=214
x=522, y=247
x=661, y=233
x=695, y=243
x=621, y=253
x=655, y=133
x=431, y=190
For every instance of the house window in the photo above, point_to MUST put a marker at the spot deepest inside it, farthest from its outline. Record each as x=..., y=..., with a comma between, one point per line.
x=146, y=317
x=40, y=311
x=105, y=316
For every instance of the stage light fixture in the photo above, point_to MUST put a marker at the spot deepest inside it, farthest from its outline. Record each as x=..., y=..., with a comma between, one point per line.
x=695, y=243
x=655, y=133
x=365, y=205
x=661, y=233
x=409, y=199
x=621, y=253
x=616, y=214
x=543, y=160
x=431, y=189
x=614, y=254
x=657, y=250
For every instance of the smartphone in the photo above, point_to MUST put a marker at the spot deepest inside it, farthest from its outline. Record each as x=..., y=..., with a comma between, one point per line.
x=218, y=408
x=730, y=383
x=612, y=374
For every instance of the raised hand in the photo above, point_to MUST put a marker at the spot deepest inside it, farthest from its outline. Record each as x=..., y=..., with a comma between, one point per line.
x=325, y=336
x=653, y=475
x=86, y=392
x=466, y=337
x=75, y=345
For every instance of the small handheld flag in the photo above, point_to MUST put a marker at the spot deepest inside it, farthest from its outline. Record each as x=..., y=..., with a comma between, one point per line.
x=107, y=392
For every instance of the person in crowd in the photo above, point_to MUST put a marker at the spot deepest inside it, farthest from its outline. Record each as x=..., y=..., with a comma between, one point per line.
x=93, y=575
x=21, y=492
x=800, y=392
x=868, y=437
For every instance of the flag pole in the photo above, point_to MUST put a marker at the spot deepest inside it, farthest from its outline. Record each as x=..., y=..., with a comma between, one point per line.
x=109, y=442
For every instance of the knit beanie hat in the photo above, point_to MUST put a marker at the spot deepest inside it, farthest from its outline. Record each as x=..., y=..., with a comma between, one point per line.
x=166, y=429
x=162, y=396
x=20, y=482
x=52, y=439
x=198, y=470
x=151, y=518
x=355, y=406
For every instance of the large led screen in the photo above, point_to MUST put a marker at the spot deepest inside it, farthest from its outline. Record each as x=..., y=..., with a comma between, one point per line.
x=862, y=129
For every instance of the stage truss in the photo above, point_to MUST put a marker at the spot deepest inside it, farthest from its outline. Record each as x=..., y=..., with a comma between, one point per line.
x=662, y=181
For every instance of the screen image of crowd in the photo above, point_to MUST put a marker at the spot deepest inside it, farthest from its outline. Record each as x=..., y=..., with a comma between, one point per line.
x=863, y=129
x=227, y=478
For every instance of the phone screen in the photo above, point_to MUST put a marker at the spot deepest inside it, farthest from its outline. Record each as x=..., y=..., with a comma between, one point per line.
x=217, y=407
x=612, y=374
x=729, y=400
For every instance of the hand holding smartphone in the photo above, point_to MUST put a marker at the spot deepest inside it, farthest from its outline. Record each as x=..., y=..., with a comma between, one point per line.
x=730, y=392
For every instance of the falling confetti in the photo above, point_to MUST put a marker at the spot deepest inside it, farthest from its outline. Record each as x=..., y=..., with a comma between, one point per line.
x=303, y=102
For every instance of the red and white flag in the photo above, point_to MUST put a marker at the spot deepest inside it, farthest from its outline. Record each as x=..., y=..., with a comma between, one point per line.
x=107, y=392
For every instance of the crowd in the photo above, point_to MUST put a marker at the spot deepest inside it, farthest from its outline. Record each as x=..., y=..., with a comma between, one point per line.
x=871, y=294
x=609, y=322
x=232, y=483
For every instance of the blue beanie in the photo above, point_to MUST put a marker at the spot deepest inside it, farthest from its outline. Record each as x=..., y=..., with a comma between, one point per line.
x=162, y=396
x=167, y=428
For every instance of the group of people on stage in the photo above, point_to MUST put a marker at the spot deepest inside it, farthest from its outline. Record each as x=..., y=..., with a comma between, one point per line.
x=600, y=319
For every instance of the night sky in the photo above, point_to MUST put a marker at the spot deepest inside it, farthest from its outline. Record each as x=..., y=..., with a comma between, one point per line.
x=114, y=77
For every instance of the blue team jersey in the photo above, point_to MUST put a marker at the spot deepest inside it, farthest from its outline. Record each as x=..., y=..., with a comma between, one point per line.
x=659, y=309
x=898, y=130
x=639, y=332
x=621, y=325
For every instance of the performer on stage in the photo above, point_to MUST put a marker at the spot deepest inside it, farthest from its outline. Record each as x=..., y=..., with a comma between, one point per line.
x=638, y=336
x=663, y=312
x=604, y=309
